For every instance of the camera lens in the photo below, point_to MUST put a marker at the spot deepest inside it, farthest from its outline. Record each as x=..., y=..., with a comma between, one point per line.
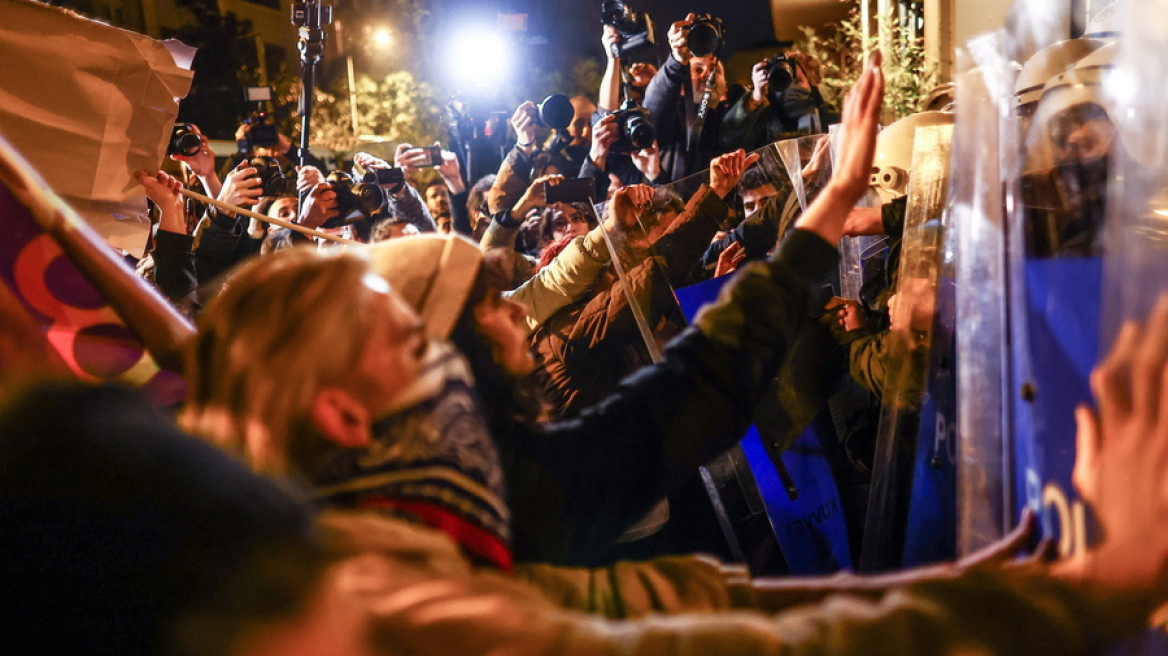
x=368, y=197
x=705, y=38
x=640, y=131
x=780, y=75
x=184, y=141
x=556, y=112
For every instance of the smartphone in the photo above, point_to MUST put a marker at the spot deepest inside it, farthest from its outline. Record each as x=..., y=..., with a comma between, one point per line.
x=435, y=153
x=575, y=190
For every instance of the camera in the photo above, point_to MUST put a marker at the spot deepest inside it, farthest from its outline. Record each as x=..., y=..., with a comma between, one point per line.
x=780, y=73
x=184, y=140
x=273, y=182
x=392, y=179
x=261, y=134
x=635, y=28
x=555, y=112
x=706, y=36
x=636, y=131
x=355, y=200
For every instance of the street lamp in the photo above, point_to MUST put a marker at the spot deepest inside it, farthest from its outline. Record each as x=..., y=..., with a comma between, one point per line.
x=379, y=38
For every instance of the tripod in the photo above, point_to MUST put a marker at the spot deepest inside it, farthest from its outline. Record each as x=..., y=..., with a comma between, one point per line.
x=311, y=17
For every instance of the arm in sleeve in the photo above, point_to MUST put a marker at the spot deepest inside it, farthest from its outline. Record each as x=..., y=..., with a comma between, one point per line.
x=569, y=275
x=978, y=614
x=602, y=471
x=218, y=245
x=461, y=215
x=680, y=248
x=513, y=178
x=174, y=265
x=739, y=125
x=411, y=208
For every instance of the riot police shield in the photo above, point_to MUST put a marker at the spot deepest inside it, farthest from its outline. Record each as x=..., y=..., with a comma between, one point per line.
x=1056, y=153
x=915, y=367
x=984, y=513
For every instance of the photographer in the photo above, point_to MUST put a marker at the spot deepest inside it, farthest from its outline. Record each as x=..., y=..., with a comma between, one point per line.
x=446, y=196
x=524, y=162
x=768, y=114
x=271, y=143
x=613, y=170
x=674, y=98
x=400, y=200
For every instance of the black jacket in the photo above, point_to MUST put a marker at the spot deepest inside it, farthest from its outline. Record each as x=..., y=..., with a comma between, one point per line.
x=575, y=486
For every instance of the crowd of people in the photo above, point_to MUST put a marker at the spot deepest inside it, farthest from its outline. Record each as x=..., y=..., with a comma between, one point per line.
x=468, y=416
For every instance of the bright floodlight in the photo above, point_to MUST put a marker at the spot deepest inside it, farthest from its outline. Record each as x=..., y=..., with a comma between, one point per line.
x=382, y=38
x=479, y=57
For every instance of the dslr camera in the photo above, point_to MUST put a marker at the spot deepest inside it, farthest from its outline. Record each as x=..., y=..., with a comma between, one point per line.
x=355, y=200
x=392, y=179
x=780, y=73
x=273, y=182
x=184, y=140
x=636, y=130
x=706, y=36
x=635, y=28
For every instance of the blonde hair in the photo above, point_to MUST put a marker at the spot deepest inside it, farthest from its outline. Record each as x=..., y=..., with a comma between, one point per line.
x=287, y=325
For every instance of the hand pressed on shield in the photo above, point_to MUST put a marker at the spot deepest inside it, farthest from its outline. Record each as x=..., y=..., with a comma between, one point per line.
x=1121, y=464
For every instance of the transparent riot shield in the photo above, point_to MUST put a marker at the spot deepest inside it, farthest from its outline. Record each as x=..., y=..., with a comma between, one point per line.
x=778, y=511
x=855, y=252
x=915, y=366
x=984, y=502
x=1135, y=252
x=1055, y=152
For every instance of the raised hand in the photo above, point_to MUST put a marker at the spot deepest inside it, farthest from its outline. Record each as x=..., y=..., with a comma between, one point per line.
x=604, y=135
x=648, y=161
x=404, y=157
x=759, y=82
x=523, y=122
x=726, y=170
x=828, y=213
x=367, y=161
x=861, y=120
x=678, y=39
x=451, y=172
x=729, y=259
x=307, y=177
x=534, y=197
x=242, y=187
x=1121, y=463
x=164, y=189
x=319, y=206
x=610, y=39
x=628, y=203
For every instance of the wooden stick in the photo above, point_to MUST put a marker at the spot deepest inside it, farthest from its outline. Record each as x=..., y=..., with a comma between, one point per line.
x=267, y=219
